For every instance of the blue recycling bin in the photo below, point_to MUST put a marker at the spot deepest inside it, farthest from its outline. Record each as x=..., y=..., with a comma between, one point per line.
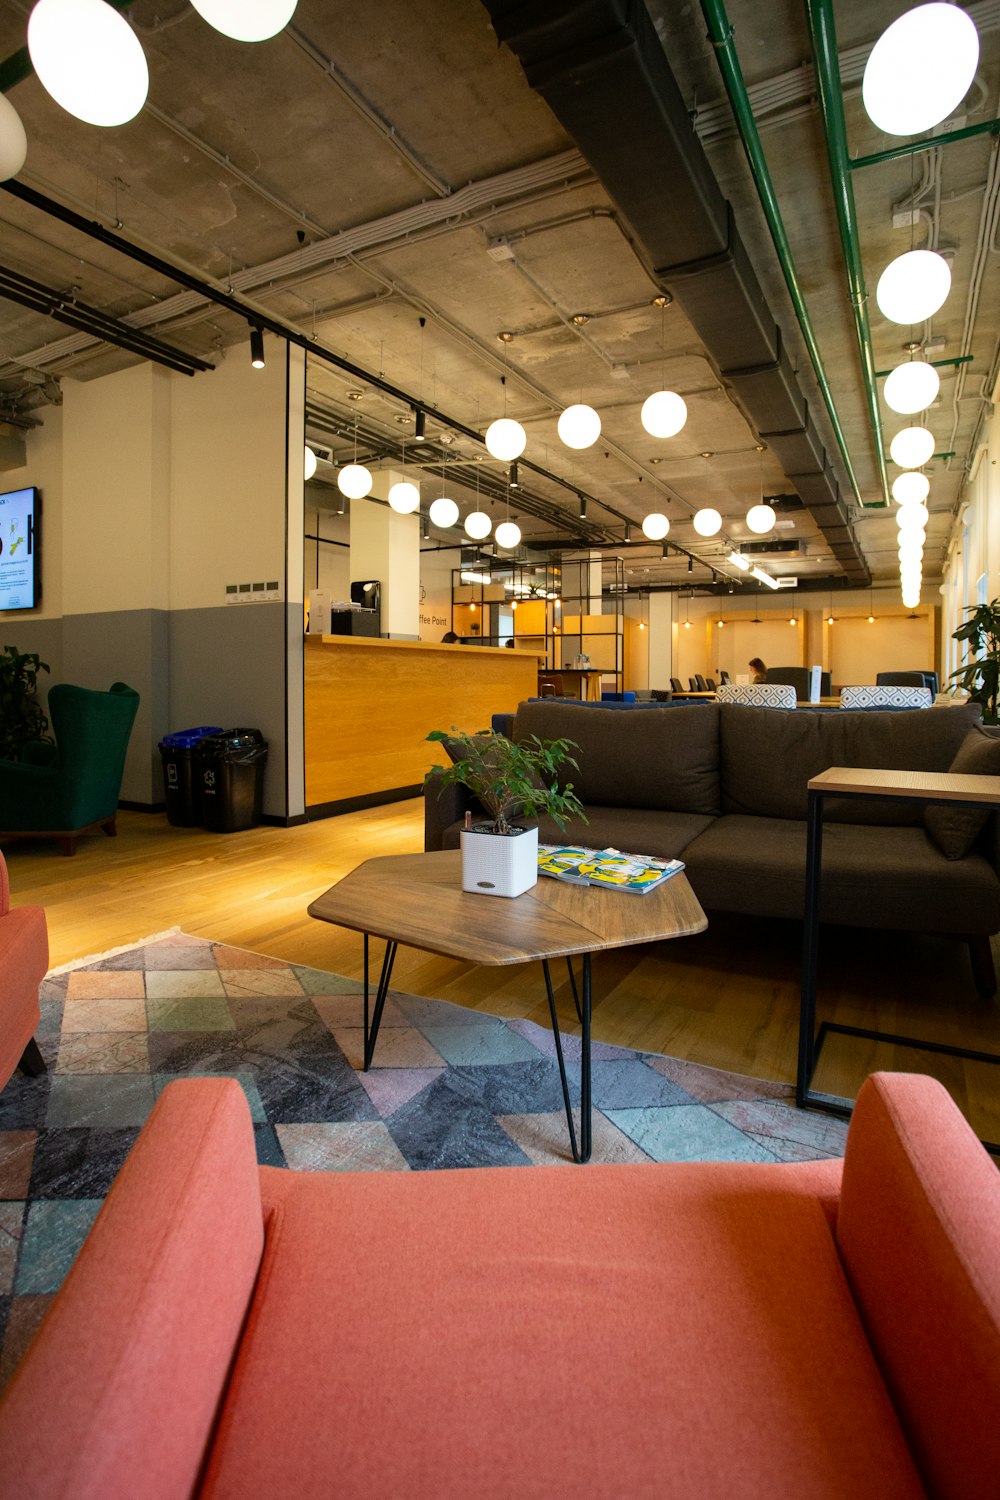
x=181, y=784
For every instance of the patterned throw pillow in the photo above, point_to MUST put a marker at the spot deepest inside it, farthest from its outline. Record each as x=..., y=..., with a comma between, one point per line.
x=954, y=827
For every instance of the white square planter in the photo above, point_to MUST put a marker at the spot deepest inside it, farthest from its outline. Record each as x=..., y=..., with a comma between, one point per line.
x=499, y=864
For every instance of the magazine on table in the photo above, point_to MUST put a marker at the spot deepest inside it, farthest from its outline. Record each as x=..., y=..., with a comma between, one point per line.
x=635, y=873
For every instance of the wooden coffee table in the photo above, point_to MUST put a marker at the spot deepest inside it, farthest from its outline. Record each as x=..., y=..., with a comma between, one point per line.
x=417, y=899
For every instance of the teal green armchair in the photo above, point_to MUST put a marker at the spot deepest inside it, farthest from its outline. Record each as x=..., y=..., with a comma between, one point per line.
x=74, y=789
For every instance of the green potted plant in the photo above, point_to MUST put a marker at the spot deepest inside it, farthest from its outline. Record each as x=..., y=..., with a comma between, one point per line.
x=511, y=780
x=21, y=716
x=980, y=675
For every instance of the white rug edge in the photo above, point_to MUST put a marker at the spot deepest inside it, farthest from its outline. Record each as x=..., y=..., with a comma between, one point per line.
x=96, y=958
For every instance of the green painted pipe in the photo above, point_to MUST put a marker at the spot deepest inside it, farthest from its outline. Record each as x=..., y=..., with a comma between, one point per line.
x=935, y=364
x=913, y=148
x=16, y=68
x=720, y=34
x=826, y=66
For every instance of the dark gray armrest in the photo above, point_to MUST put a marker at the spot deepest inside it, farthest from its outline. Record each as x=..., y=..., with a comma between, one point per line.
x=444, y=806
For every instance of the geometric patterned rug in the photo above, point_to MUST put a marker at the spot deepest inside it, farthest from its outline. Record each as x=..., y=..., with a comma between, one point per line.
x=448, y=1087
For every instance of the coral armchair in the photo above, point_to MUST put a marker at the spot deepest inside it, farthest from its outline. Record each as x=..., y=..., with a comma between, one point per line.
x=24, y=959
x=77, y=791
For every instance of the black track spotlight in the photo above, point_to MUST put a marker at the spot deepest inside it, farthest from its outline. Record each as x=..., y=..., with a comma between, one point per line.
x=513, y=479
x=690, y=565
x=583, y=506
x=256, y=348
x=628, y=531
x=418, y=426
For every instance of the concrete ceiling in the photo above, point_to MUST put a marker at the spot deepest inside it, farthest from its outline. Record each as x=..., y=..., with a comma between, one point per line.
x=385, y=180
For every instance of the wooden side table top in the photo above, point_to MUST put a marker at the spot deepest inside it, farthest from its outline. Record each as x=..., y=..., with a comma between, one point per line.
x=417, y=899
x=941, y=785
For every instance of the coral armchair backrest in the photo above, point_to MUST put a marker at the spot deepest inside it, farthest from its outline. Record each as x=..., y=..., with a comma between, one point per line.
x=80, y=788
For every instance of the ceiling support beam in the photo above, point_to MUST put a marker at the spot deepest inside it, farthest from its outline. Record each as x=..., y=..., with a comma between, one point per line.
x=822, y=30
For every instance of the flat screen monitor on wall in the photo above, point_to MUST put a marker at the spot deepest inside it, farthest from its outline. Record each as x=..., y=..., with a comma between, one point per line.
x=20, y=575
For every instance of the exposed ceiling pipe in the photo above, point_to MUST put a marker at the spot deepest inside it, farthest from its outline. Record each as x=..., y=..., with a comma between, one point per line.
x=831, y=107
x=720, y=34
x=603, y=71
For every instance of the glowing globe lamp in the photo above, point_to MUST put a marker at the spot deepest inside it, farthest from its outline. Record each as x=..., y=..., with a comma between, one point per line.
x=910, y=486
x=508, y=534
x=478, y=525
x=920, y=69
x=579, y=426
x=89, y=59
x=505, y=439
x=308, y=463
x=354, y=481
x=761, y=519
x=246, y=20
x=911, y=387
x=707, y=522
x=443, y=512
x=663, y=414
x=655, y=526
x=912, y=447
x=13, y=141
x=913, y=286
x=404, y=497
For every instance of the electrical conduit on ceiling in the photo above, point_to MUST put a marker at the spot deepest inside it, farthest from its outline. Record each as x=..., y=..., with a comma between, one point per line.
x=819, y=14
x=720, y=34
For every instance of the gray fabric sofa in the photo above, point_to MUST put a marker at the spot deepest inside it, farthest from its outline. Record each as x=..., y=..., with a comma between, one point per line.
x=723, y=787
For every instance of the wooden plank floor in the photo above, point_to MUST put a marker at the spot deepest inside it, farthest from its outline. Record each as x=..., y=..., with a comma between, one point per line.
x=727, y=997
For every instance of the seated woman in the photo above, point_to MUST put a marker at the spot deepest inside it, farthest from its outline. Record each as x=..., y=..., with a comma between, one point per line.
x=758, y=671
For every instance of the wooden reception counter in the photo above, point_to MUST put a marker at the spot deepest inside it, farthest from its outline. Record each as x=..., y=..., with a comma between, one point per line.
x=369, y=705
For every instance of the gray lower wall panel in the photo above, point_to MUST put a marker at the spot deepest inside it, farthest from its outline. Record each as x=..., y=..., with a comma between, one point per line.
x=223, y=666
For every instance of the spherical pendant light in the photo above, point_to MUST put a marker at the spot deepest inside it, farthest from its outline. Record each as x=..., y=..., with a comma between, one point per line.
x=655, y=526
x=911, y=387
x=246, y=20
x=478, y=525
x=910, y=550
x=912, y=517
x=13, y=141
x=920, y=69
x=579, y=426
x=308, y=463
x=89, y=59
x=508, y=534
x=443, y=512
x=404, y=497
x=913, y=286
x=664, y=414
x=505, y=439
x=761, y=519
x=910, y=486
x=354, y=481
x=912, y=447
x=707, y=521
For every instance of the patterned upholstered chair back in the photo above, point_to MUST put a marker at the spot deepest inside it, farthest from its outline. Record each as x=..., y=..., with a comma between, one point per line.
x=758, y=694
x=886, y=697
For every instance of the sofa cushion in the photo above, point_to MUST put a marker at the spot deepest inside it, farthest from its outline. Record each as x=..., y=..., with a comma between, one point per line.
x=668, y=761
x=619, y=1330
x=634, y=830
x=872, y=877
x=119, y=1393
x=918, y=1230
x=955, y=828
x=767, y=758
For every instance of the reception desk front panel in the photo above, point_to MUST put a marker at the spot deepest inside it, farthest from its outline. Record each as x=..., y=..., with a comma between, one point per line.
x=369, y=705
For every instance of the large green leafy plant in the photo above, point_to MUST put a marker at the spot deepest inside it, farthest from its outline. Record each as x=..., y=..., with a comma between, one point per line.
x=21, y=716
x=980, y=674
x=510, y=780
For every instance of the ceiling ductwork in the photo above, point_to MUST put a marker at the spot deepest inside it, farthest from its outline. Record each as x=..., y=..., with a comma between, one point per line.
x=603, y=72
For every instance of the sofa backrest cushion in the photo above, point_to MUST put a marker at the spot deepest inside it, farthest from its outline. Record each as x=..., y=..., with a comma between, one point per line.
x=668, y=761
x=119, y=1393
x=954, y=828
x=767, y=758
x=918, y=1230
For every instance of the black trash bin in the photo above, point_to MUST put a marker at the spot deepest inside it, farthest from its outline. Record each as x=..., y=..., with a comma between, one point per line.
x=231, y=774
x=181, y=782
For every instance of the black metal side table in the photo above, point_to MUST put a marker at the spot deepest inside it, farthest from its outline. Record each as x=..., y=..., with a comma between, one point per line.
x=928, y=787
